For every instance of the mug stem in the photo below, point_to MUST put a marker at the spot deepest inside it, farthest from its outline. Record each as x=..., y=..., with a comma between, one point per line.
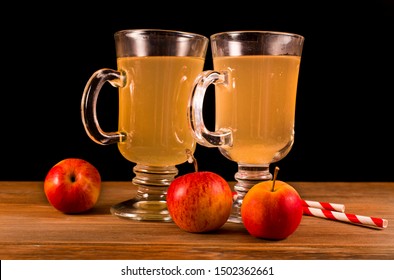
x=247, y=176
x=150, y=202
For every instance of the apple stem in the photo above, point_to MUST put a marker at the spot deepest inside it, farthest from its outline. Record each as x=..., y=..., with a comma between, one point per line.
x=274, y=179
x=192, y=159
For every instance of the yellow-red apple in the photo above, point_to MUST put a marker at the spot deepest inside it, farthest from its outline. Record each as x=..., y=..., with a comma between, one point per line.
x=271, y=210
x=199, y=201
x=73, y=185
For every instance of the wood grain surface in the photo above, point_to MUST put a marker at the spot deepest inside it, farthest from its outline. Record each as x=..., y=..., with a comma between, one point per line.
x=31, y=229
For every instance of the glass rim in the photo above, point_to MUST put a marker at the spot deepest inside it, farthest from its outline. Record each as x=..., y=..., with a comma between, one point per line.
x=142, y=31
x=240, y=32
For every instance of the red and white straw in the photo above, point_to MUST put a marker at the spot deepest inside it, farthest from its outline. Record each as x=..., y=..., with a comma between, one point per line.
x=344, y=217
x=324, y=205
x=336, y=211
x=314, y=204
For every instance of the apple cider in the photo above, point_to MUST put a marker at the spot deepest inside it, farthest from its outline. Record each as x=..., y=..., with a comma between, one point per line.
x=258, y=105
x=153, y=108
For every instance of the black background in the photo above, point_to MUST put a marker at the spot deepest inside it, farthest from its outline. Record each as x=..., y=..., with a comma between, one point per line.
x=344, y=116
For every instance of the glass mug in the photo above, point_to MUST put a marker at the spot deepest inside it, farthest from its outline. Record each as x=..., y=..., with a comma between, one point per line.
x=155, y=75
x=255, y=78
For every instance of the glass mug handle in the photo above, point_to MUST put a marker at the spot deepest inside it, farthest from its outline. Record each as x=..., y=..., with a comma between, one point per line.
x=222, y=136
x=89, y=103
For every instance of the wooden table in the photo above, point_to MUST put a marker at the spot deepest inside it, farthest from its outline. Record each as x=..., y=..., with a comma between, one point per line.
x=30, y=229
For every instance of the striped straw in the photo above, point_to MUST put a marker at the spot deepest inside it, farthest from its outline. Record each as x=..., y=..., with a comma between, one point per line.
x=324, y=205
x=315, y=204
x=344, y=217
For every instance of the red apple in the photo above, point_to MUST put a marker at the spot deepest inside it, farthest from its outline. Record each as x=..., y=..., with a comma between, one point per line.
x=72, y=185
x=199, y=201
x=271, y=213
